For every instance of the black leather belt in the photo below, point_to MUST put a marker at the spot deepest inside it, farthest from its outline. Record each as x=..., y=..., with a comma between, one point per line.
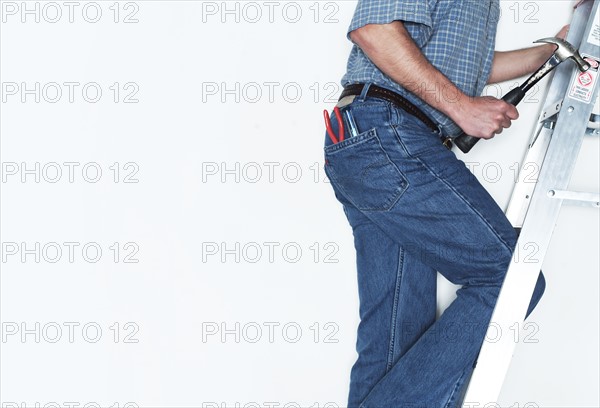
x=398, y=100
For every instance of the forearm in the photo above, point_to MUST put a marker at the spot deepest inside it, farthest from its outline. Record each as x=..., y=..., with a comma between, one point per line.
x=509, y=65
x=391, y=48
x=393, y=51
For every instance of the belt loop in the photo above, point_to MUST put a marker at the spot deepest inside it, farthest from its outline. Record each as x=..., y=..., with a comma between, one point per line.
x=363, y=93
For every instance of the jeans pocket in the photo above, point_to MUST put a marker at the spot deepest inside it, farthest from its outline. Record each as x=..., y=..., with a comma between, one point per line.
x=363, y=172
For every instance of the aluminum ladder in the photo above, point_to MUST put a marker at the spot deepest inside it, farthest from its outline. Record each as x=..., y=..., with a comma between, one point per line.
x=534, y=207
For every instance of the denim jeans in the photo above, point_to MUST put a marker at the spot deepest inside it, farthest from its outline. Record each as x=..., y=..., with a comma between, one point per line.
x=416, y=210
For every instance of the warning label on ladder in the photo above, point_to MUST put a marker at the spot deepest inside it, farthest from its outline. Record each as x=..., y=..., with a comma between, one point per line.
x=583, y=84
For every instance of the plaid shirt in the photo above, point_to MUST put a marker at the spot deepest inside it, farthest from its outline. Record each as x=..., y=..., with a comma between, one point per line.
x=456, y=36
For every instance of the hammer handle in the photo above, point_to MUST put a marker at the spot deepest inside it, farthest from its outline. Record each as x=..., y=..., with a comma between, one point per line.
x=465, y=143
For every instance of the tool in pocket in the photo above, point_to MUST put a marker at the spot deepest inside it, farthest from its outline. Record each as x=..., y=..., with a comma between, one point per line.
x=338, y=116
x=330, y=132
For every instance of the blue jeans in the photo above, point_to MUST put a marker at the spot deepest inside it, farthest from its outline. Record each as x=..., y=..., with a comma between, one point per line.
x=415, y=209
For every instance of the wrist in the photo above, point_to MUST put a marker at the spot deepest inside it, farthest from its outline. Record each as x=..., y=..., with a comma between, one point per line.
x=456, y=108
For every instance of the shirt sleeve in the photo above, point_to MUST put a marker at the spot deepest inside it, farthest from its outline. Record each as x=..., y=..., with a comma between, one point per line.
x=386, y=11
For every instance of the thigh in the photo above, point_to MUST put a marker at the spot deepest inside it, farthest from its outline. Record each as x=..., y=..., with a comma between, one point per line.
x=397, y=291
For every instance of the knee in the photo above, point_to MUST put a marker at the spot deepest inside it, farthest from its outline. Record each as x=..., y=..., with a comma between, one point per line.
x=496, y=265
x=499, y=257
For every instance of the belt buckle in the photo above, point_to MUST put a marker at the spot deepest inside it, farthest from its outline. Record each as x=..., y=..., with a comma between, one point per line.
x=447, y=141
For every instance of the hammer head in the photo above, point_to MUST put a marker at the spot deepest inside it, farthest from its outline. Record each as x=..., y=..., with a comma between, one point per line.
x=565, y=51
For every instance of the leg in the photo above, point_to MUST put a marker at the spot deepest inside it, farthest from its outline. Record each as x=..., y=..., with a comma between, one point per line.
x=398, y=175
x=397, y=296
x=397, y=303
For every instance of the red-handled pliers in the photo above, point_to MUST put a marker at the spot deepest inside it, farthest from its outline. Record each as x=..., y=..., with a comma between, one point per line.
x=338, y=116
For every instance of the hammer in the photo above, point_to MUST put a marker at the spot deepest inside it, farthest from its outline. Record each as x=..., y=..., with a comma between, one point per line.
x=564, y=51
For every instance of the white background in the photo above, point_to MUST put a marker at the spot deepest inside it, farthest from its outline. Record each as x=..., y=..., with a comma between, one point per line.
x=173, y=142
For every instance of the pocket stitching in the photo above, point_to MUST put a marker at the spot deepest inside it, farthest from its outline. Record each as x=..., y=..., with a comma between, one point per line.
x=352, y=141
x=397, y=192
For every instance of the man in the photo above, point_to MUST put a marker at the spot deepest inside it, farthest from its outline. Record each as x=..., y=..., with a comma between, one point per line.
x=413, y=75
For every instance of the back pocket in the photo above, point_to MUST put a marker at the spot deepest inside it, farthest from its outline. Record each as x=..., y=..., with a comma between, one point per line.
x=364, y=173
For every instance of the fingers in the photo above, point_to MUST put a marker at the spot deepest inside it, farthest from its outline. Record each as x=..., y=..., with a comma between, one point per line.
x=510, y=116
x=503, y=118
x=506, y=114
x=563, y=32
x=512, y=113
x=487, y=117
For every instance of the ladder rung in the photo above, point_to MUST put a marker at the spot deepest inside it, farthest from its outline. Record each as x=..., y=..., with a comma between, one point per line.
x=576, y=197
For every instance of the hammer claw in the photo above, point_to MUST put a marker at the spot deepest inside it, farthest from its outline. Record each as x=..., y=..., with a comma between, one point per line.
x=564, y=51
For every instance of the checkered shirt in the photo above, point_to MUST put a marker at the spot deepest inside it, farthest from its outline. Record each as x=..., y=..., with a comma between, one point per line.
x=456, y=36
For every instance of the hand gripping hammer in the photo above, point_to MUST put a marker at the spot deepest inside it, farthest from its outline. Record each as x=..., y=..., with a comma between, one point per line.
x=563, y=52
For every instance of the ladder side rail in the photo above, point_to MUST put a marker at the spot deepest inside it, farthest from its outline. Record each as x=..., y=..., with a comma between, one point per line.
x=563, y=149
x=538, y=143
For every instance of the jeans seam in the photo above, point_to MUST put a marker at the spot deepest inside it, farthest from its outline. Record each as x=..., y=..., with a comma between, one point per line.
x=457, y=386
x=457, y=193
x=395, y=310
